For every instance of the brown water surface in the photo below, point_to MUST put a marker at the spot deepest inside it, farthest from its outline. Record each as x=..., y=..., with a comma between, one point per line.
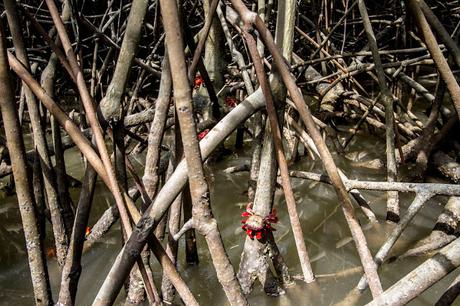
x=326, y=233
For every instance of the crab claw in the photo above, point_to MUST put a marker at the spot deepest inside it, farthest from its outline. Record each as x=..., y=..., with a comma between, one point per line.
x=245, y=214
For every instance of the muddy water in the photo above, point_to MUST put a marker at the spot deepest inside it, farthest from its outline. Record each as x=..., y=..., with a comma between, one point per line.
x=327, y=237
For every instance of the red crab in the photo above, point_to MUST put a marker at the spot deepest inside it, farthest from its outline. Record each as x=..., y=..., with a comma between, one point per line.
x=230, y=101
x=203, y=134
x=87, y=231
x=258, y=226
x=198, y=81
x=50, y=252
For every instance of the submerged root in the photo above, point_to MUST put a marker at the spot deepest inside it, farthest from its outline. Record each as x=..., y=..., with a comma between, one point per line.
x=428, y=245
x=443, y=232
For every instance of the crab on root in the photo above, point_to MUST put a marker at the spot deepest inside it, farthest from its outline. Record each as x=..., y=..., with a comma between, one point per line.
x=256, y=225
x=198, y=81
x=87, y=231
x=231, y=102
x=203, y=134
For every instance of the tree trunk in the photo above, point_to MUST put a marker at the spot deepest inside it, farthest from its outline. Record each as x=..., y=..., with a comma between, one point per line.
x=34, y=247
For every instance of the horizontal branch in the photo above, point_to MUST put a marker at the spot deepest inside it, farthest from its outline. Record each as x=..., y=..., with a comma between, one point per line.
x=438, y=189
